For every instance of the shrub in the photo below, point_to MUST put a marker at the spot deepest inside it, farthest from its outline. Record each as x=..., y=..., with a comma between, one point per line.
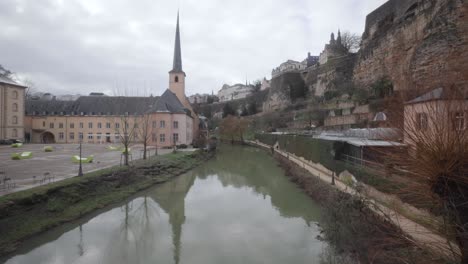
x=48, y=149
x=182, y=146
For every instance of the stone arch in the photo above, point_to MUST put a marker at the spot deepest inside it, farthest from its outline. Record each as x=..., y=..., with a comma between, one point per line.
x=47, y=137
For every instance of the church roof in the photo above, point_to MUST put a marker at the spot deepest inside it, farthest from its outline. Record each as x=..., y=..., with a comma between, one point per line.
x=107, y=105
x=177, y=64
x=6, y=80
x=440, y=94
x=168, y=102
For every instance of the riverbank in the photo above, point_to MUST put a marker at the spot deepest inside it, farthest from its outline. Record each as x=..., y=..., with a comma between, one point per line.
x=30, y=212
x=353, y=229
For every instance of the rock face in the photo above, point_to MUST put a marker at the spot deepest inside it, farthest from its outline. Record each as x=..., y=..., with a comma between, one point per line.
x=335, y=74
x=417, y=44
x=285, y=89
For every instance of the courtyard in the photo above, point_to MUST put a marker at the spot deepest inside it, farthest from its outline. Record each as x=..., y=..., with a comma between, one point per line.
x=57, y=165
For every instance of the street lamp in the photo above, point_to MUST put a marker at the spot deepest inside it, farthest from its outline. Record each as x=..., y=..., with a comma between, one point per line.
x=80, y=170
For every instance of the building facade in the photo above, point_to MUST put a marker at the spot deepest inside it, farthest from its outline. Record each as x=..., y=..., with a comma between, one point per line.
x=334, y=49
x=12, y=97
x=234, y=92
x=162, y=121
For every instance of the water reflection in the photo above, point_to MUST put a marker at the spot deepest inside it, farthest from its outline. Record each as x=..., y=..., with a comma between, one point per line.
x=237, y=208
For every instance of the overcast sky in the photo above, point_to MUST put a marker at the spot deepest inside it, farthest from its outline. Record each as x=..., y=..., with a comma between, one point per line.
x=123, y=46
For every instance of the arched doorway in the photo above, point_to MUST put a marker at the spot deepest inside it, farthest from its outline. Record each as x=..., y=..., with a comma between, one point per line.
x=47, y=137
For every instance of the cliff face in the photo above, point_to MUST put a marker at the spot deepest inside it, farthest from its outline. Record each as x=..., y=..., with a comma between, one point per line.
x=418, y=44
x=336, y=74
x=284, y=90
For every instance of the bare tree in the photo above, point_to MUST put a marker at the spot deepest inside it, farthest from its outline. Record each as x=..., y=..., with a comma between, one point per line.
x=5, y=72
x=145, y=132
x=436, y=163
x=351, y=41
x=30, y=88
x=126, y=128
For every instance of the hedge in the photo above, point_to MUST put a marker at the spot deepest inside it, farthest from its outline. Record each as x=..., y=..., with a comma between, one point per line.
x=326, y=152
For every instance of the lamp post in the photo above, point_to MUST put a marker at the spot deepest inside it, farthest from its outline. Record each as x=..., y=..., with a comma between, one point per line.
x=80, y=170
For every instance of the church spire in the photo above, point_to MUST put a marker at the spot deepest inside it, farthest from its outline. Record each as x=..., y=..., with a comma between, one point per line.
x=177, y=65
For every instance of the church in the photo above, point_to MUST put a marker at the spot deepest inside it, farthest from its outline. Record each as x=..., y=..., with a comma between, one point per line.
x=162, y=121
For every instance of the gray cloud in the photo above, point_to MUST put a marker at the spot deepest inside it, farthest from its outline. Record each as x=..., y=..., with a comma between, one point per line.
x=71, y=46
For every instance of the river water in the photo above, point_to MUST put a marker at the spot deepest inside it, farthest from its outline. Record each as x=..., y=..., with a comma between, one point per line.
x=237, y=208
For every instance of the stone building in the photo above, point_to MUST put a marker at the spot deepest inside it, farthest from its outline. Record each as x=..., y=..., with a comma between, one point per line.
x=289, y=66
x=436, y=114
x=266, y=84
x=198, y=98
x=234, y=92
x=334, y=49
x=166, y=120
x=12, y=97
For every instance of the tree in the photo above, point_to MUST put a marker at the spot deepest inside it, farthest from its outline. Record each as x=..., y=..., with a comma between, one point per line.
x=145, y=132
x=244, y=111
x=351, y=41
x=252, y=108
x=257, y=86
x=5, y=72
x=437, y=158
x=126, y=128
x=228, y=110
x=233, y=127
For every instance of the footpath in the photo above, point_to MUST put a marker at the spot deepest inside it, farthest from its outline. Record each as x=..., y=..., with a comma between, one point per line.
x=420, y=235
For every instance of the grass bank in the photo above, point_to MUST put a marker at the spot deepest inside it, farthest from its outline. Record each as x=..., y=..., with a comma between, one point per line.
x=355, y=233
x=30, y=212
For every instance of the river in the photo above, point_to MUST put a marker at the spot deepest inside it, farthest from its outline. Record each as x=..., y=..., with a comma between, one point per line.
x=237, y=208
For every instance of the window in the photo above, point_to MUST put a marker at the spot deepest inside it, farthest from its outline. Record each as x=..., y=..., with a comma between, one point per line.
x=72, y=135
x=422, y=121
x=15, y=95
x=61, y=136
x=176, y=124
x=15, y=120
x=153, y=137
x=15, y=107
x=162, y=138
x=90, y=135
x=81, y=135
x=99, y=125
x=117, y=137
x=51, y=125
x=176, y=79
x=135, y=125
x=60, y=125
x=90, y=125
x=460, y=121
x=117, y=125
x=81, y=124
x=162, y=124
x=155, y=124
x=99, y=135
x=72, y=125
x=14, y=133
x=108, y=125
x=175, y=138
x=43, y=123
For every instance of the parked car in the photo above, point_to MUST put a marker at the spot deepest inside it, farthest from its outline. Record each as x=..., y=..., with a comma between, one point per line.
x=9, y=141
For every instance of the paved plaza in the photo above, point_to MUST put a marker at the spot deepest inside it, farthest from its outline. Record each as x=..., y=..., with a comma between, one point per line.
x=58, y=165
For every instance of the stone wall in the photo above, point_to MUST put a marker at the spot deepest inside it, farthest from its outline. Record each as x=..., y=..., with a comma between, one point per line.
x=336, y=74
x=285, y=89
x=417, y=44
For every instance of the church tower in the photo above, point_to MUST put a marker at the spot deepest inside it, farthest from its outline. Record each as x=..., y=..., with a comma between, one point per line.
x=177, y=81
x=177, y=75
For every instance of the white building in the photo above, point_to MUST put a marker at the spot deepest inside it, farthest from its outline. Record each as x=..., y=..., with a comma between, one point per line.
x=289, y=66
x=234, y=92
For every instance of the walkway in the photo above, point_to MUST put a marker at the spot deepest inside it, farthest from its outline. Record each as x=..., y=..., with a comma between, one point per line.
x=420, y=234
